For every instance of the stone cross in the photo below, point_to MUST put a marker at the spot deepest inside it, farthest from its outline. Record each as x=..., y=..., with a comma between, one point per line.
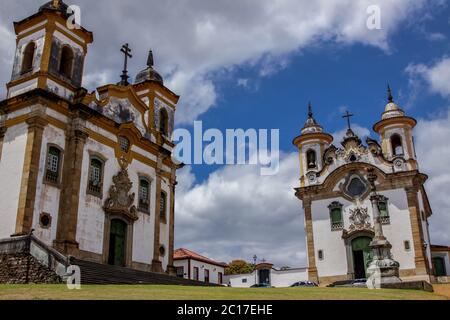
x=348, y=115
x=127, y=53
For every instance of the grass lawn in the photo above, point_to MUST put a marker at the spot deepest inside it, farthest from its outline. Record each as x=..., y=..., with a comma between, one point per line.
x=150, y=292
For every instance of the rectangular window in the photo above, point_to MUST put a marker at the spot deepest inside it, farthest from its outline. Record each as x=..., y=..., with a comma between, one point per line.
x=220, y=278
x=384, y=211
x=244, y=280
x=95, y=177
x=320, y=254
x=337, y=222
x=407, y=245
x=196, y=274
x=206, y=276
x=144, y=195
x=53, y=164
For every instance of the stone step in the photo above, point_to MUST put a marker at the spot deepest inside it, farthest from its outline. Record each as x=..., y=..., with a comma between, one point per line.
x=96, y=273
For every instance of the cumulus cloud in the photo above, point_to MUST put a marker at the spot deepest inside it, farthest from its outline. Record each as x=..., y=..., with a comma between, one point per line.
x=436, y=76
x=433, y=152
x=237, y=213
x=195, y=39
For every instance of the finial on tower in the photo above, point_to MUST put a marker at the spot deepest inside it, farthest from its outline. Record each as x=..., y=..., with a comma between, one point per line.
x=150, y=61
x=56, y=4
x=310, y=111
x=390, y=97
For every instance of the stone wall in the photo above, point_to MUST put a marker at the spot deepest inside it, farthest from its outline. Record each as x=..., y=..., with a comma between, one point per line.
x=15, y=267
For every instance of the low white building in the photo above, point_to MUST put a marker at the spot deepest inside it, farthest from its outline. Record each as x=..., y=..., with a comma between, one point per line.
x=265, y=273
x=193, y=266
x=440, y=256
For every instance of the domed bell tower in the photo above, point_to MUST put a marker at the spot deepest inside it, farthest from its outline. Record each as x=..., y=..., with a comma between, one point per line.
x=50, y=52
x=312, y=143
x=396, y=133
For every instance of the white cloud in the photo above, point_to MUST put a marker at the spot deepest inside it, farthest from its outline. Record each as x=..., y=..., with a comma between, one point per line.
x=436, y=76
x=237, y=213
x=195, y=39
x=433, y=152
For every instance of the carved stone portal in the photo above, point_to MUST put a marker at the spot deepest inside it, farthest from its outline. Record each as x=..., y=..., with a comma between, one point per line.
x=120, y=199
x=359, y=219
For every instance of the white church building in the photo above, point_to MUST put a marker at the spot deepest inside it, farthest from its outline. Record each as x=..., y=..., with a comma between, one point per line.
x=334, y=191
x=90, y=173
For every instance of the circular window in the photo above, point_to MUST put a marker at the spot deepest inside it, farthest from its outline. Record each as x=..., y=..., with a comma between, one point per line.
x=45, y=220
x=356, y=187
x=162, y=251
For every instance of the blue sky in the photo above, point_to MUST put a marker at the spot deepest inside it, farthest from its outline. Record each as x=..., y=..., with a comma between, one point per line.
x=256, y=64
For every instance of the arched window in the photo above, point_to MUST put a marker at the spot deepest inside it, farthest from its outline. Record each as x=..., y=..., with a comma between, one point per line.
x=95, y=184
x=311, y=159
x=28, y=58
x=144, y=195
x=336, y=217
x=164, y=122
x=53, y=165
x=66, y=62
x=163, y=207
x=397, y=146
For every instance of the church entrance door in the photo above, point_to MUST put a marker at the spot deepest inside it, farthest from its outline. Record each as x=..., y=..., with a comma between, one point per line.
x=117, y=243
x=362, y=255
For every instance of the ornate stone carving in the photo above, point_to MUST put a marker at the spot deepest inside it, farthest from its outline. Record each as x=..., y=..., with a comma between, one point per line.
x=359, y=219
x=120, y=199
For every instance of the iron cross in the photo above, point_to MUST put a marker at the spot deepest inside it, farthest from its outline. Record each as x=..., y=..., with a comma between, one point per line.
x=348, y=115
x=127, y=52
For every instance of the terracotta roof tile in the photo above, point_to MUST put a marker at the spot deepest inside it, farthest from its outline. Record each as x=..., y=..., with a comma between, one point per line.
x=181, y=254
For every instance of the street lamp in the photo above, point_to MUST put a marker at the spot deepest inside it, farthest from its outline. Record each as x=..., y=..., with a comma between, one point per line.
x=255, y=258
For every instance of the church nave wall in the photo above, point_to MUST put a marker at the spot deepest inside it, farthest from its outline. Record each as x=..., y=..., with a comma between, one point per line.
x=11, y=167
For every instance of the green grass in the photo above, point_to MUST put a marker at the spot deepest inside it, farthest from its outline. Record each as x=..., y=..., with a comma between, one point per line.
x=149, y=292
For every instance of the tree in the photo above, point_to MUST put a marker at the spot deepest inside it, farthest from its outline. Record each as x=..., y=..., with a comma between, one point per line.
x=239, y=267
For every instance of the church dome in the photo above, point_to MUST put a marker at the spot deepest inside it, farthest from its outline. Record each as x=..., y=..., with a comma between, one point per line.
x=311, y=125
x=392, y=110
x=149, y=74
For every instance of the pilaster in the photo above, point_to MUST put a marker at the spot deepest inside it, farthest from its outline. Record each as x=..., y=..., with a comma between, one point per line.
x=417, y=232
x=170, y=268
x=312, y=268
x=76, y=138
x=36, y=125
x=156, y=262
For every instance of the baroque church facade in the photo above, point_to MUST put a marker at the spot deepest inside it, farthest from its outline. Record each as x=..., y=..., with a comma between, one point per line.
x=90, y=174
x=335, y=190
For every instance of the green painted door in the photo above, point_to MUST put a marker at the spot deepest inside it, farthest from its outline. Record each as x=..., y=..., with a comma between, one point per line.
x=439, y=267
x=117, y=246
x=362, y=256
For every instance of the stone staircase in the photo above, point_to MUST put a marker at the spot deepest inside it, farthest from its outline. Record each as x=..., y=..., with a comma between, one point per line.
x=95, y=273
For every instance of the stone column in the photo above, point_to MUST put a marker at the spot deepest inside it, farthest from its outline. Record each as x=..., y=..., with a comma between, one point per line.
x=420, y=259
x=312, y=268
x=66, y=233
x=156, y=262
x=36, y=125
x=383, y=269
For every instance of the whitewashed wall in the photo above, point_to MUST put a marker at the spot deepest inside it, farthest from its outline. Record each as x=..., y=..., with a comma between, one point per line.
x=278, y=278
x=47, y=196
x=202, y=266
x=11, y=166
x=333, y=246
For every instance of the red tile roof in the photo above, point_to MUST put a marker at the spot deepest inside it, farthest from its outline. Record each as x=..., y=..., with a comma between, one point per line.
x=182, y=254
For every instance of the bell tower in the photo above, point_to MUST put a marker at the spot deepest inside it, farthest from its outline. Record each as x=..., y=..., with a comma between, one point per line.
x=312, y=143
x=395, y=130
x=50, y=53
